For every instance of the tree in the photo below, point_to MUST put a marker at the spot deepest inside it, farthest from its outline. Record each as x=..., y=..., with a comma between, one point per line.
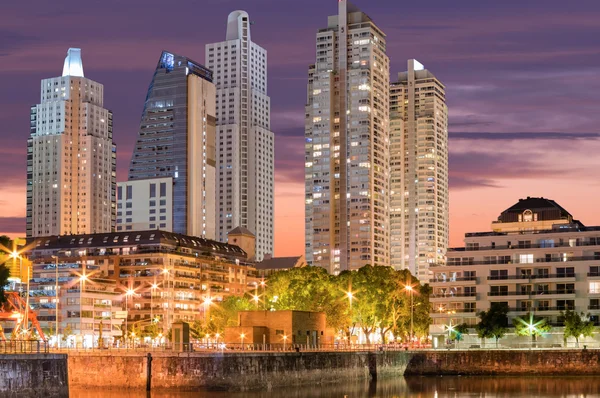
x=309, y=289
x=577, y=325
x=4, y=275
x=457, y=332
x=66, y=333
x=531, y=325
x=493, y=322
x=225, y=314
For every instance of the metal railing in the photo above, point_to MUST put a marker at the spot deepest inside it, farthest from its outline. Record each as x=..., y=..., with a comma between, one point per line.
x=24, y=347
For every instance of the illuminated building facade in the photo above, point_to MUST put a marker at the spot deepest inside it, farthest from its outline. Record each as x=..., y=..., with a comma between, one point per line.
x=245, y=142
x=419, y=203
x=537, y=259
x=71, y=157
x=176, y=140
x=346, y=145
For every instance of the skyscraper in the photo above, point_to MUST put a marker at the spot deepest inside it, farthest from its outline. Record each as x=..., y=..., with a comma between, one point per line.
x=419, y=171
x=176, y=140
x=347, y=149
x=245, y=142
x=71, y=157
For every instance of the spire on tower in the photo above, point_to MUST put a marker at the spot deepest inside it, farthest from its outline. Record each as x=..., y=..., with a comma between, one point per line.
x=73, y=65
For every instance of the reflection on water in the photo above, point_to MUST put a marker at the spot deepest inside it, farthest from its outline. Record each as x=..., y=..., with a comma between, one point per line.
x=412, y=387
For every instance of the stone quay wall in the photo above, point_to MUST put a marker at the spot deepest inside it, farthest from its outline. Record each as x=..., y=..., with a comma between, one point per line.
x=230, y=371
x=35, y=375
x=52, y=374
x=505, y=362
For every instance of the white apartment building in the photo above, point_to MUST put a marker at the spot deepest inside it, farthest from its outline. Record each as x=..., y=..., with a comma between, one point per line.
x=145, y=204
x=245, y=142
x=71, y=157
x=537, y=259
x=419, y=204
x=347, y=145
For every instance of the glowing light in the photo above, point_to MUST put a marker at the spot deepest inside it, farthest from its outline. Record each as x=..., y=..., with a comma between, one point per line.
x=73, y=65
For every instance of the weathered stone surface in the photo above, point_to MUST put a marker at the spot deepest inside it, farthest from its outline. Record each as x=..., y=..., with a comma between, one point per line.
x=33, y=375
x=253, y=370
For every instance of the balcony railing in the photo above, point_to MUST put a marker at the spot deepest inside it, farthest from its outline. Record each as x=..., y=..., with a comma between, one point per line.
x=515, y=261
x=457, y=279
x=442, y=295
x=563, y=291
x=512, y=293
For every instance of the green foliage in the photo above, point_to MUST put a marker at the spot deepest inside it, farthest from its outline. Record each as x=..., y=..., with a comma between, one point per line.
x=375, y=298
x=493, y=322
x=225, y=313
x=458, y=331
x=531, y=325
x=4, y=275
x=577, y=325
x=309, y=289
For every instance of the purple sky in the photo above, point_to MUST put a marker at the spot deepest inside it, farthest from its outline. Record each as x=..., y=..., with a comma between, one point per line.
x=522, y=81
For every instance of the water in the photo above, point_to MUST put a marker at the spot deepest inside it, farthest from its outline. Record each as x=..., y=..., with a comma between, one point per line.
x=411, y=387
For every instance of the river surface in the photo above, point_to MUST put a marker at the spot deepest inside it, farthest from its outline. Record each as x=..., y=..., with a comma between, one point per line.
x=411, y=387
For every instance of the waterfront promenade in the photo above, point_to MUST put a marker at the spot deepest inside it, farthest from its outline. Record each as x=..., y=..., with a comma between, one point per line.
x=246, y=369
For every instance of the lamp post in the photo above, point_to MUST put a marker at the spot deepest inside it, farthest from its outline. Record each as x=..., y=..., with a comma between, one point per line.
x=263, y=284
x=242, y=336
x=153, y=288
x=128, y=292
x=284, y=340
x=410, y=291
x=207, y=303
x=82, y=280
x=168, y=291
x=255, y=298
x=56, y=300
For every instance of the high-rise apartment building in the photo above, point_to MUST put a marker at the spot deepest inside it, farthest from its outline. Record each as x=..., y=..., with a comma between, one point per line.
x=245, y=143
x=347, y=149
x=176, y=139
x=419, y=203
x=71, y=157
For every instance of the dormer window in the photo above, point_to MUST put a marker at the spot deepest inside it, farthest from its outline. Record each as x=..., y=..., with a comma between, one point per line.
x=527, y=216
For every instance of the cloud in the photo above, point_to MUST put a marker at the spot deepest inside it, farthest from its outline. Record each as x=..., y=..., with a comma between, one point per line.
x=12, y=225
x=523, y=136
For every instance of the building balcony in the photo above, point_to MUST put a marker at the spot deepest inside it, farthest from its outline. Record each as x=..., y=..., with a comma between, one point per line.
x=446, y=296
x=594, y=307
x=452, y=312
x=518, y=294
x=467, y=280
x=553, y=292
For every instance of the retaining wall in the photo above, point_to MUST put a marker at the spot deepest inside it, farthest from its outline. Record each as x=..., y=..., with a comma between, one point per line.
x=33, y=375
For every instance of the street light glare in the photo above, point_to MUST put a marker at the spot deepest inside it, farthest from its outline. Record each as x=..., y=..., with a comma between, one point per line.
x=130, y=292
x=409, y=288
x=14, y=254
x=207, y=300
x=350, y=295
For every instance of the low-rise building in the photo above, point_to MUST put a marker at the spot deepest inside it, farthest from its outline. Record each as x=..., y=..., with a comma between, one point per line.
x=537, y=259
x=159, y=275
x=87, y=302
x=279, y=327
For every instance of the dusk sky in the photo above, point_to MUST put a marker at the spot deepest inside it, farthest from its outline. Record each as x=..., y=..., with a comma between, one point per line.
x=522, y=84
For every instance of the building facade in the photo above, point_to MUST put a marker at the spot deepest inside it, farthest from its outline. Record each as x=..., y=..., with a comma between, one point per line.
x=245, y=142
x=347, y=145
x=176, y=140
x=537, y=259
x=419, y=208
x=145, y=204
x=159, y=275
x=71, y=157
x=87, y=307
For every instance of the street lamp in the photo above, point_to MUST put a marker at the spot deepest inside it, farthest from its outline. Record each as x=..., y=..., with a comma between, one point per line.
x=207, y=303
x=128, y=292
x=242, y=336
x=255, y=298
x=153, y=288
x=410, y=289
x=284, y=340
x=56, y=299
x=82, y=280
x=350, y=297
